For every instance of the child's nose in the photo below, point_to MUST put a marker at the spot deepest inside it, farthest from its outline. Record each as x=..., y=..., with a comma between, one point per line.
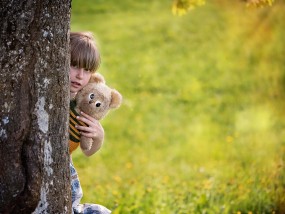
x=80, y=72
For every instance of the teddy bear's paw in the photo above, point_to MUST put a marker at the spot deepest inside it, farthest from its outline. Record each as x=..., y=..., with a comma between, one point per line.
x=85, y=144
x=85, y=148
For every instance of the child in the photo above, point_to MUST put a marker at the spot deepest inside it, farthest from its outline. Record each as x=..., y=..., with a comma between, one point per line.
x=85, y=60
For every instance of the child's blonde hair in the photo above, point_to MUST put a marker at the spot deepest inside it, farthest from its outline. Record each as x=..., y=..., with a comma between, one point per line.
x=84, y=51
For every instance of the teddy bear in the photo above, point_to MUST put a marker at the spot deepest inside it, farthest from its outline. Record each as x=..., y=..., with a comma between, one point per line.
x=96, y=99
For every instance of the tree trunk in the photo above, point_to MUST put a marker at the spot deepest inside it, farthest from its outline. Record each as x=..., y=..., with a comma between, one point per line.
x=34, y=103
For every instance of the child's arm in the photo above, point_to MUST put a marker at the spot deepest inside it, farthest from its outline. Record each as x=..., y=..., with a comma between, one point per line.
x=94, y=131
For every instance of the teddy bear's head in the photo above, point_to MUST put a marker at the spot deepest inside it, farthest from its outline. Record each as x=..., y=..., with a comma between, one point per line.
x=96, y=98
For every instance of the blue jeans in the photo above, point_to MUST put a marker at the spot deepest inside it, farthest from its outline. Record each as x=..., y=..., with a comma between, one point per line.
x=77, y=194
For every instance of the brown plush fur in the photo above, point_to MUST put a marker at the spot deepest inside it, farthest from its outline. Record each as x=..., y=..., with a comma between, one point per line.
x=96, y=99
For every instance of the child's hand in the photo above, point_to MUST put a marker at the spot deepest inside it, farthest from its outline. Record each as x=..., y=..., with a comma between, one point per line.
x=94, y=129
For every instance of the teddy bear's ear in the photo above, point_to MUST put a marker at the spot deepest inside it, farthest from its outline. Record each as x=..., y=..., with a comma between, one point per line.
x=116, y=99
x=97, y=78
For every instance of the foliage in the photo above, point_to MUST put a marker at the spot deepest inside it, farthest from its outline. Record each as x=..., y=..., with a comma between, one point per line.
x=259, y=3
x=201, y=128
x=180, y=7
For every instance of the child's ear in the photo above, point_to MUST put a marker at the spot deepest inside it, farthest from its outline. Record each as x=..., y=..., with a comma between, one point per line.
x=116, y=99
x=97, y=78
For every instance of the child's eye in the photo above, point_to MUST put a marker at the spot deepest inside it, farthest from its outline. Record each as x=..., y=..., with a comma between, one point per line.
x=91, y=96
x=97, y=103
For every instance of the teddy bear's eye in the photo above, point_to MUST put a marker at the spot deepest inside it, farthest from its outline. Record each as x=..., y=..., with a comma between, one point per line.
x=97, y=103
x=91, y=96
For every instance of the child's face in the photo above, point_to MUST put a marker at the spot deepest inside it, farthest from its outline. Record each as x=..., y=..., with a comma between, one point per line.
x=79, y=77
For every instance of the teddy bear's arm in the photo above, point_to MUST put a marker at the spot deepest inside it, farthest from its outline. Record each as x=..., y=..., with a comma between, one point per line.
x=96, y=144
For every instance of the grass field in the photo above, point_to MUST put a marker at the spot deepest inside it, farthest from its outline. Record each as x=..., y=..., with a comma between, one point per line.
x=201, y=128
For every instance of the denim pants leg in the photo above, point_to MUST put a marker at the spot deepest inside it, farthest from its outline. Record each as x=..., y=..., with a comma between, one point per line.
x=77, y=194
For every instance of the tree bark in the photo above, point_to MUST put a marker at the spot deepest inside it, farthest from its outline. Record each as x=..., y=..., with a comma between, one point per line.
x=34, y=103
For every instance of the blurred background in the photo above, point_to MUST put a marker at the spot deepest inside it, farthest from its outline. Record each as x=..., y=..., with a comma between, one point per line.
x=201, y=127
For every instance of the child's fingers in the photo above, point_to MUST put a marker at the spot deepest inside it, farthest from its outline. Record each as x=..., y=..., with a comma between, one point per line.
x=93, y=128
x=87, y=116
x=87, y=134
x=86, y=131
x=90, y=121
x=83, y=128
x=84, y=119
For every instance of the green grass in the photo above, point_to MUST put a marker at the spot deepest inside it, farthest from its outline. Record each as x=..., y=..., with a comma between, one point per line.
x=201, y=128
